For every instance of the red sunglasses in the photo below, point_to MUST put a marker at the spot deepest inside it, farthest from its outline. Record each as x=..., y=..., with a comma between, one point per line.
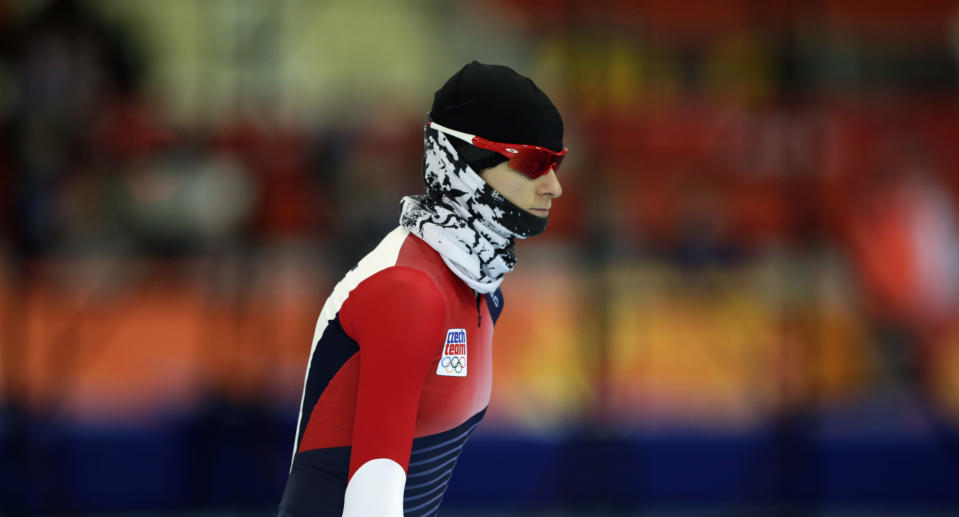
x=532, y=160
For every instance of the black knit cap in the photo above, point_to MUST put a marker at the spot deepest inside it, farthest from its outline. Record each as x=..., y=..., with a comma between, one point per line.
x=498, y=104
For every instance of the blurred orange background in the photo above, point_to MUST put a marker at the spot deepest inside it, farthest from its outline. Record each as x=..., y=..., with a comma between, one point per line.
x=759, y=226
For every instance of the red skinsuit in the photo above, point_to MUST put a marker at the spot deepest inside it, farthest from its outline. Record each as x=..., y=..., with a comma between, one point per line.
x=376, y=386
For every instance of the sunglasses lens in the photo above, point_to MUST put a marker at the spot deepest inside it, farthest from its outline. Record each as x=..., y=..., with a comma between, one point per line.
x=534, y=163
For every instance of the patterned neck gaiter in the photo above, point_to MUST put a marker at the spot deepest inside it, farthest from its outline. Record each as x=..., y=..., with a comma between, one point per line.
x=468, y=223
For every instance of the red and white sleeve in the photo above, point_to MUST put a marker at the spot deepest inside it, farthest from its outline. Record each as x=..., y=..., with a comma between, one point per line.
x=396, y=316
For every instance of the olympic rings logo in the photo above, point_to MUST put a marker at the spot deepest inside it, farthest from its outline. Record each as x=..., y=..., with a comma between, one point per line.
x=455, y=364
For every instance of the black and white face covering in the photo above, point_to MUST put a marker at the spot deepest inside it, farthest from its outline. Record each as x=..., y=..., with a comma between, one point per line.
x=468, y=223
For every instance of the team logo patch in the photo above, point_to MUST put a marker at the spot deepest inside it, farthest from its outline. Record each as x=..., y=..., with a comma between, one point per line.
x=453, y=362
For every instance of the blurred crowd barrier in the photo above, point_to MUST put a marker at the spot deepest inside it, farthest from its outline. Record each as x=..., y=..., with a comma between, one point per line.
x=748, y=294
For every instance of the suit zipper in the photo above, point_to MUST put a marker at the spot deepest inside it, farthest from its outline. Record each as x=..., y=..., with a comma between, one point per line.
x=479, y=314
